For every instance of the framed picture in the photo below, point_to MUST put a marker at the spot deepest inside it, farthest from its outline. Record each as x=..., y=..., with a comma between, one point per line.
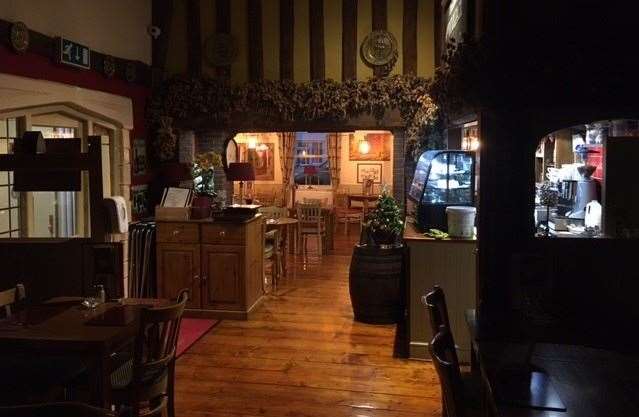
x=140, y=201
x=373, y=147
x=139, y=157
x=373, y=171
x=262, y=158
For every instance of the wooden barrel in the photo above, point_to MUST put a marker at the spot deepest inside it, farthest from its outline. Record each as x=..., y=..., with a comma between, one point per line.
x=376, y=284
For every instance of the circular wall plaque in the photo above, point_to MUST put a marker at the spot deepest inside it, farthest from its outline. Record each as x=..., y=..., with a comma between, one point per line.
x=220, y=50
x=109, y=66
x=19, y=37
x=379, y=50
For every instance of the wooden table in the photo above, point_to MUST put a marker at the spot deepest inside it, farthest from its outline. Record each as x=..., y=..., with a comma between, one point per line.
x=287, y=227
x=589, y=381
x=63, y=327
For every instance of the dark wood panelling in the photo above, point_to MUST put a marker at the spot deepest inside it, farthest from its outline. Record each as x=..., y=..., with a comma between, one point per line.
x=194, y=37
x=349, y=39
x=287, y=21
x=161, y=17
x=409, y=37
x=256, y=62
x=316, y=31
x=223, y=26
x=439, y=32
x=223, y=16
x=379, y=15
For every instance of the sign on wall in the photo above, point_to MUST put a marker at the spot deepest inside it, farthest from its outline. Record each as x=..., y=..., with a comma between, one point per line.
x=74, y=54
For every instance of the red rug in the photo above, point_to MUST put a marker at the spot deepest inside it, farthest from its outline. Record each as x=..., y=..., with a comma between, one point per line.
x=191, y=331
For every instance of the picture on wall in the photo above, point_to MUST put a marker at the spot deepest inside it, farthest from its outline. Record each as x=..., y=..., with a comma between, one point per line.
x=372, y=147
x=140, y=201
x=372, y=171
x=262, y=158
x=139, y=157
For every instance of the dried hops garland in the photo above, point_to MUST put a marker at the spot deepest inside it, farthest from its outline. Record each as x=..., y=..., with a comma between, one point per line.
x=283, y=100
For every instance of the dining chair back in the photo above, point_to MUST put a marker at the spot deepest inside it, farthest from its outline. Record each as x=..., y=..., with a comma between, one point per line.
x=273, y=212
x=444, y=356
x=272, y=252
x=62, y=409
x=311, y=222
x=9, y=297
x=151, y=373
x=435, y=302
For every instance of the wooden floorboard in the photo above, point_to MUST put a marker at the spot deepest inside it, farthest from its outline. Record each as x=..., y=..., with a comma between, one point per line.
x=303, y=355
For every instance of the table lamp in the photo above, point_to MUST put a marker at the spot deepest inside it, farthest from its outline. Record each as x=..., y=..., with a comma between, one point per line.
x=240, y=171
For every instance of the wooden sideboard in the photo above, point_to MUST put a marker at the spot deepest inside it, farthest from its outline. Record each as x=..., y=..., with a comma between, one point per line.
x=220, y=262
x=451, y=265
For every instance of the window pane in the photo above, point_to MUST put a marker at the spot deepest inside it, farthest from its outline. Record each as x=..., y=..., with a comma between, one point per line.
x=311, y=159
x=4, y=145
x=4, y=197
x=4, y=177
x=4, y=235
x=15, y=233
x=4, y=221
x=12, y=128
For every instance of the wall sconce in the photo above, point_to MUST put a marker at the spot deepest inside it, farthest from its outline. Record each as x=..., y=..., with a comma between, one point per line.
x=364, y=147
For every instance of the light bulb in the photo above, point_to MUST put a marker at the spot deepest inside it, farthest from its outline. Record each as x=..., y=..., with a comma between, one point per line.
x=364, y=147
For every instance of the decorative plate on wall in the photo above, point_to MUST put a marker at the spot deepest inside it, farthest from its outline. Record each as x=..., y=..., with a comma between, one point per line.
x=379, y=51
x=220, y=50
x=108, y=66
x=19, y=37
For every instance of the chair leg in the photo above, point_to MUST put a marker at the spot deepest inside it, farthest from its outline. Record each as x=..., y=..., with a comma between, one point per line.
x=170, y=392
x=346, y=226
x=320, y=248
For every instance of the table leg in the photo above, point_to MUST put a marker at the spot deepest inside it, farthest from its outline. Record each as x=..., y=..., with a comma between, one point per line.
x=285, y=245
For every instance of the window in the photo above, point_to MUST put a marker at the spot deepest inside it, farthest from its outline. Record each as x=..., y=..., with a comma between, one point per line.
x=311, y=159
x=9, y=200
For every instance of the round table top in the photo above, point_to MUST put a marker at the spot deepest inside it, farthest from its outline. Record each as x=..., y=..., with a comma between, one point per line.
x=282, y=221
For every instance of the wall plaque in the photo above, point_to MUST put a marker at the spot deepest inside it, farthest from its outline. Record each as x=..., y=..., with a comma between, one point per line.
x=74, y=54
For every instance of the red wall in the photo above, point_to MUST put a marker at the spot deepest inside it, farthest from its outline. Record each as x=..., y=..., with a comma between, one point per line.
x=40, y=67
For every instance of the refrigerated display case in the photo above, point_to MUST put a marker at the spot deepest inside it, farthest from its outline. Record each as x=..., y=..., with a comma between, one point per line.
x=442, y=178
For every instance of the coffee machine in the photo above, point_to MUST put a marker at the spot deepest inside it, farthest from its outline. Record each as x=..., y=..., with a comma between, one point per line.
x=585, y=192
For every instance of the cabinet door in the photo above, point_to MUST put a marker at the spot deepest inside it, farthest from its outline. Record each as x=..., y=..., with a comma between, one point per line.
x=179, y=267
x=223, y=275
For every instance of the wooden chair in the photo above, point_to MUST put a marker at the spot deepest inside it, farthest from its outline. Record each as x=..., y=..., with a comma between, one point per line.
x=66, y=409
x=346, y=214
x=311, y=223
x=9, y=297
x=272, y=252
x=146, y=383
x=273, y=212
x=442, y=351
x=435, y=302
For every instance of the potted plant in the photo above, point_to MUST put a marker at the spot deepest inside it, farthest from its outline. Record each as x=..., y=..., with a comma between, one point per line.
x=384, y=223
x=376, y=278
x=203, y=174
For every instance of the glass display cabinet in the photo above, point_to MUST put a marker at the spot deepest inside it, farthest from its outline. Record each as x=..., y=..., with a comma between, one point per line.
x=442, y=178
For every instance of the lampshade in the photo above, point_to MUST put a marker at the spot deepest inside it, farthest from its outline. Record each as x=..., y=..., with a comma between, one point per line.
x=240, y=171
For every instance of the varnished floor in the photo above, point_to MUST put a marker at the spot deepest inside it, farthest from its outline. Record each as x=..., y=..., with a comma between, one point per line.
x=302, y=355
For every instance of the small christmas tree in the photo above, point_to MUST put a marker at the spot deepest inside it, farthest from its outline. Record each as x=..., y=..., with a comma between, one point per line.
x=385, y=222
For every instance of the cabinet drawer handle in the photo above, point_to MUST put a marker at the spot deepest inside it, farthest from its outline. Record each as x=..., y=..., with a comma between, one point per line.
x=196, y=277
x=176, y=232
x=222, y=233
x=204, y=278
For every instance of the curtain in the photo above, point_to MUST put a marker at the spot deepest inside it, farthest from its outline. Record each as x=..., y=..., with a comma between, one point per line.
x=287, y=155
x=334, y=156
